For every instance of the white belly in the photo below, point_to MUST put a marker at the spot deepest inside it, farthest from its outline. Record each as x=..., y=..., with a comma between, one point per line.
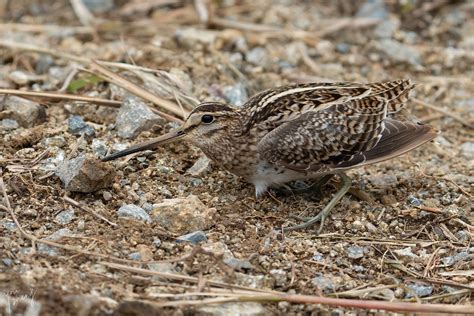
x=267, y=175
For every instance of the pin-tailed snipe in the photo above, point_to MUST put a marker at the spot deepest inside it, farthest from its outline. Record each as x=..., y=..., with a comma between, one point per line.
x=302, y=131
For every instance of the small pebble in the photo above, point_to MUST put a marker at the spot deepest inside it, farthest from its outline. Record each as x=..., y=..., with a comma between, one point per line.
x=414, y=201
x=135, y=256
x=194, y=237
x=157, y=242
x=134, y=117
x=65, y=217
x=419, y=289
x=77, y=126
x=135, y=212
x=8, y=124
x=7, y=262
x=355, y=252
x=238, y=264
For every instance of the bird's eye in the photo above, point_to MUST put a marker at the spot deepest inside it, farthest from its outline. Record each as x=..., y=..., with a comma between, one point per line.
x=207, y=119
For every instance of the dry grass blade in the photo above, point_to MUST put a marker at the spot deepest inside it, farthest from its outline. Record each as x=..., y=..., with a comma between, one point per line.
x=135, y=89
x=61, y=96
x=336, y=302
x=67, y=199
x=445, y=112
x=338, y=24
x=59, y=54
x=165, y=82
x=45, y=28
x=180, y=277
x=82, y=12
x=272, y=296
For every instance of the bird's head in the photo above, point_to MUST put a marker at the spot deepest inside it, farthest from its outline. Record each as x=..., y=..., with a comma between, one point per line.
x=205, y=126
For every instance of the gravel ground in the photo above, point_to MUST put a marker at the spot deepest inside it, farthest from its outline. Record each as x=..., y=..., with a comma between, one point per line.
x=144, y=235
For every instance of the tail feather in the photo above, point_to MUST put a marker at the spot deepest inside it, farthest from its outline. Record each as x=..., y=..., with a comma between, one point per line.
x=397, y=138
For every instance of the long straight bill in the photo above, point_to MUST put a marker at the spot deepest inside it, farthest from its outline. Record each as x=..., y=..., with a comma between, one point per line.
x=148, y=145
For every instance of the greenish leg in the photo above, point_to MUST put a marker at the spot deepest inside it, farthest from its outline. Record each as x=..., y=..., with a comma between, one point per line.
x=316, y=188
x=321, y=217
x=313, y=190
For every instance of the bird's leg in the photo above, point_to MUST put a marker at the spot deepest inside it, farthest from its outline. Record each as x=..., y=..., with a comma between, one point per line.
x=321, y=217
x=313, y=190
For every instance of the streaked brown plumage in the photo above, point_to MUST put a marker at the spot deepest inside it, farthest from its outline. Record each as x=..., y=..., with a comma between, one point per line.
x=302, y=131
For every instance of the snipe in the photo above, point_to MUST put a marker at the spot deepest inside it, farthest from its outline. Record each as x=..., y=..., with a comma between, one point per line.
x=302, y=131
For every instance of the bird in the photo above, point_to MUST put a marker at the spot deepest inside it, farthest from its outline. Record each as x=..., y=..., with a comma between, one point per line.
x=302, y=132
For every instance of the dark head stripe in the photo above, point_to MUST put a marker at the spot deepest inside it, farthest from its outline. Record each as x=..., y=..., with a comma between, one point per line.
x=212, y=107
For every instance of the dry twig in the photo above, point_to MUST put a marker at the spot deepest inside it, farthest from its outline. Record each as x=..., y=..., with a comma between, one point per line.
x=445, y=112
x=67, y=199
x=135, y=89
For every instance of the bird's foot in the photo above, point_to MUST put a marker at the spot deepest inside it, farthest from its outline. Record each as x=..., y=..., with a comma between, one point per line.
x=311, y=191
x=321, y=217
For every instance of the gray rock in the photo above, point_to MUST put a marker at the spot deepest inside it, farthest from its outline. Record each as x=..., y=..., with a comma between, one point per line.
x=19, y=77
x=254, y=281
x=55, y=141
x=99, y=147
x=27, y=113
x=190, y=37
x=57, y=235
x=7, y=262
x=157, y=242
x=218, y=248
x=238, y=264
x=85, y=174
x=355, y=252
x=195, y=182
x=135, y=212
x=399, y=52
x=59, y=73
x=257, y=56
x=135, y=256
x=183, y=215
x=467, y=150
x=387, y=28
x=52, y=163
x=148, y=207
x=200, y=167
x=414, y=201
x=233, y=309
x=343, y=48
x=449, y=261
x=317, y=256
x=375, y=9
x=65, y=217
x=99, y=6
x=135, y=117
x=60, y=233
x=81, y=225
x=405, y=252
x=236, y=94
x=9, y=225
x=8, y=124
x=419, y=289
x=280, y=276
x=324, y=283
x=194, y=237
x=77, y=126
x=384, y=181
x=44, y=63
x=164, y=267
